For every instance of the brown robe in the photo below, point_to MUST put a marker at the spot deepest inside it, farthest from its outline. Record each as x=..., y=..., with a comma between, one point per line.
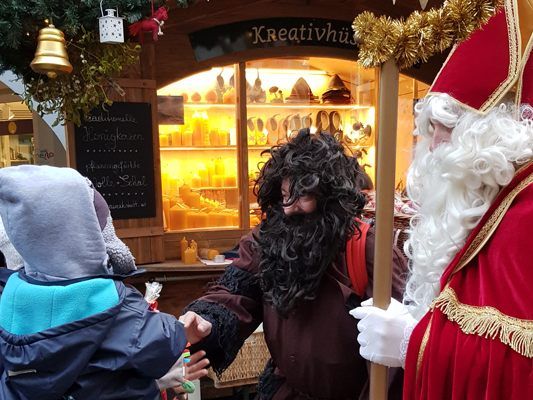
x=315, y=354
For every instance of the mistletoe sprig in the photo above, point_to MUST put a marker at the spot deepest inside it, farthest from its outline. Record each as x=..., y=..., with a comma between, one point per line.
x=95, y=64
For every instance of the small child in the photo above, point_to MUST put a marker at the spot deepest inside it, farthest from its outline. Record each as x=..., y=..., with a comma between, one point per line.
x=69, y=327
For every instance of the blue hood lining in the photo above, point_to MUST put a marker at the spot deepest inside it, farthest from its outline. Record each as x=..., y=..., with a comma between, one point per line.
x=27, y=308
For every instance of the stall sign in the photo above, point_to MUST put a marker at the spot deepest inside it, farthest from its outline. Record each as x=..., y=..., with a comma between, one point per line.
x=274, y=32
x=114, y=150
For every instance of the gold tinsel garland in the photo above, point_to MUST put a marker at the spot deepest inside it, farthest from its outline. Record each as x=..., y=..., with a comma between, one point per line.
x=422, y=34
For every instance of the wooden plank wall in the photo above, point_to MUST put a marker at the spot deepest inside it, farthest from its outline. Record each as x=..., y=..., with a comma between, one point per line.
x=144, y=236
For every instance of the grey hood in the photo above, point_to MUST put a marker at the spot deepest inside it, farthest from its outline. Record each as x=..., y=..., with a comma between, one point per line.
x=49, y=217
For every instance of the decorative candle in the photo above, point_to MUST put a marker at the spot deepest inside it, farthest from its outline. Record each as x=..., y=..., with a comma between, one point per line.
x=218, y=181
x=208, y=254
x=223, y=137
x=196, y=181
x=166, y=211
x=163, y=140
x=211, y=171
x=261, y=138
x=186, y=138
x=214, y=137
x=194, y=246
x=230, y=181
x=204, y=176
x=183, y=246
x=219, y=166
x=201, y=220
x=184, y=190
x=177, y=217
x=189, y=256
x=176, y=138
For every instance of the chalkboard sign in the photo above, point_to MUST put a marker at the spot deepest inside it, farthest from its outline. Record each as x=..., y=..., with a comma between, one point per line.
x=114, y=150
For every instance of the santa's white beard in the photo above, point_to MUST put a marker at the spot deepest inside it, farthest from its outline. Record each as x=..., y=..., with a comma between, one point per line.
x=454, y=186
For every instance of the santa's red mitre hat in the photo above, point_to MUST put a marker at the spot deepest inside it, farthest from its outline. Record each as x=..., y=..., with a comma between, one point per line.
x=480, y=71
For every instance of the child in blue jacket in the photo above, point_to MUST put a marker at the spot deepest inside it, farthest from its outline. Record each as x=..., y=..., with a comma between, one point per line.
x=69, y=327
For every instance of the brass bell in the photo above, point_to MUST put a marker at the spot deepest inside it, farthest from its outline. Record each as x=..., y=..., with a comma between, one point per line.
x=51, y=57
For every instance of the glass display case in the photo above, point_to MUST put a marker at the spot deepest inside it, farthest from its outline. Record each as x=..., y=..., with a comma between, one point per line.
x=322, y=94
x=198, y=151
x=200, y=138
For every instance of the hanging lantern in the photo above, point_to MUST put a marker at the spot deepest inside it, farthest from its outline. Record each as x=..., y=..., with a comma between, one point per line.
x=51, y=56
x=111, y=26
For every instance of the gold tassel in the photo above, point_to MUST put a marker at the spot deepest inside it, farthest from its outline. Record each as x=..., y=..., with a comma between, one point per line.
x=487, y=322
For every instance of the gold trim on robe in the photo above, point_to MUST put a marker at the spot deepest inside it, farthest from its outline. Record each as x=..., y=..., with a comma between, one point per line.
x=487, y=322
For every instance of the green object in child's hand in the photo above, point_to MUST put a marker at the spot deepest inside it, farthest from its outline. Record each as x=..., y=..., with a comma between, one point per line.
x=188, y=386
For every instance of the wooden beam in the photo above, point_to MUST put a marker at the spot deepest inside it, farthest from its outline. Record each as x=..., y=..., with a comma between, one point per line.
x=385, y=173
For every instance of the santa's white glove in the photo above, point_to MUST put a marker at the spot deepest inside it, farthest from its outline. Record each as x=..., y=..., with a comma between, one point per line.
x=174, y=377
x=384, y=334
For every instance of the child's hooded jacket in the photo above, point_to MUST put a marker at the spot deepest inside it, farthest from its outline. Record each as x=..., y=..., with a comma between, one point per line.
x=68, y=327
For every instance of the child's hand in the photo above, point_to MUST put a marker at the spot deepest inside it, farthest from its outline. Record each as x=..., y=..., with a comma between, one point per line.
x=196, y=368
x=196, y=328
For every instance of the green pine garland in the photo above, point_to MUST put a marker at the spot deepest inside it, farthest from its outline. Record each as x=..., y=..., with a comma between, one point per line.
x=20, y=22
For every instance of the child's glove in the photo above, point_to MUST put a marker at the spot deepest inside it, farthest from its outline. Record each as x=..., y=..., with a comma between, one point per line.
x=384, y=334
x=174, y=377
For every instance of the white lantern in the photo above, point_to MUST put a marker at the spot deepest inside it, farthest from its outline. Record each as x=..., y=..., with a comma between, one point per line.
x=111, y=26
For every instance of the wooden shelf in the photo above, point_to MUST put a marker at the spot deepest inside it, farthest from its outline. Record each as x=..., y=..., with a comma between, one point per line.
x=234, y=148
x=202, y=148
x=294, y=106
x=213, y=188
x=205, y=148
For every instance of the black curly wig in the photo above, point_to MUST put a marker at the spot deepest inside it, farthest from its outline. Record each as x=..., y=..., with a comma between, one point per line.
x=296, y=250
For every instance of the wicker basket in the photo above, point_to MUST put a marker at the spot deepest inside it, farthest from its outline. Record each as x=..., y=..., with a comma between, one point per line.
x=401, y=226
x=247, y=366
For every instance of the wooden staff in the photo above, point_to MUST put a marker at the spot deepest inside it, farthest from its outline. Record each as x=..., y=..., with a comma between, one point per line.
x=385, y=176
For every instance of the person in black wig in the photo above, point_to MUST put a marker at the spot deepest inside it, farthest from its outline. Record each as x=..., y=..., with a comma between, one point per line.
x=292, y=275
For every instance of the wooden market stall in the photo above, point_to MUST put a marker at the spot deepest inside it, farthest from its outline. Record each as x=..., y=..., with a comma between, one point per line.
x=226, y=81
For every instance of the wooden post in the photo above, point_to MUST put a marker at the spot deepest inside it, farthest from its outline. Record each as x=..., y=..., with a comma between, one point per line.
x=242, y=143
x=385, y=173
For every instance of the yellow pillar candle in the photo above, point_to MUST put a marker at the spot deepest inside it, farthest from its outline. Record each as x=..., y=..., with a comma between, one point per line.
x=218, y=181
x=228, y=220
x=189, y=256
x=230, y=181
x=219, y=167
x=223, y=137
x=176, y=138
x=177, y=217
x=166, y=211
x=163, y=140
x=194, y=246
x=202, y=220
x=183, y=246
x=186, y=138
x=196, y=181
x=165, y=184
x=204, y=177
x=211, y=171
x=214, y=137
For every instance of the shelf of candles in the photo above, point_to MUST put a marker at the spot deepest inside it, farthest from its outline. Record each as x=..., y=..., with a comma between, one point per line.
x=197, y=189
x=286, y=105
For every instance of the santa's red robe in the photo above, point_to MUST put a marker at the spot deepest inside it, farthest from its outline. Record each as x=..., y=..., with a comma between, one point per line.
x=477, y=341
